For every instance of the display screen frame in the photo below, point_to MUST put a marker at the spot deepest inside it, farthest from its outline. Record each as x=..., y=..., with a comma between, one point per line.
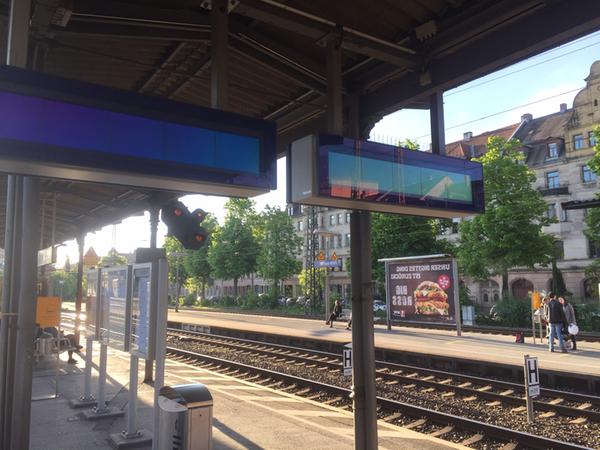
x=136, y=347
x=115, y=326
x=328, y=144
x=92, y=304
x=49, y=156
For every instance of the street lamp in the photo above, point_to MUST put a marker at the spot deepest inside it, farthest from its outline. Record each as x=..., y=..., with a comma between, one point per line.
x=327, y=235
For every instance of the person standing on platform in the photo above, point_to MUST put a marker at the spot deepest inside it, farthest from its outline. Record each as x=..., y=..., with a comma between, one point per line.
x=556, y=318
x=337, y=312
x=569, y=312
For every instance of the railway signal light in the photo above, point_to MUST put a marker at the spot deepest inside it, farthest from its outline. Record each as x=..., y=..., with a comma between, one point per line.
x=184, y=225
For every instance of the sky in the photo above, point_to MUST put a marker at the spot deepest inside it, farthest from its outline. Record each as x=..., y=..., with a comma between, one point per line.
x=537, y=86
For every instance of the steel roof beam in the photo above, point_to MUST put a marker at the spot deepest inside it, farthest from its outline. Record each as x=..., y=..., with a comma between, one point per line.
x=555, y=24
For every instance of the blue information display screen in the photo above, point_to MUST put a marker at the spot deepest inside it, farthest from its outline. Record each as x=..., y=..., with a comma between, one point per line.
x=380, y=173
x=65, y=122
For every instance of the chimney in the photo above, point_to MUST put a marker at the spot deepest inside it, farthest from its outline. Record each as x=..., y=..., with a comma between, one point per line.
x=563, y=107
x=467, y=136
x=526, y=117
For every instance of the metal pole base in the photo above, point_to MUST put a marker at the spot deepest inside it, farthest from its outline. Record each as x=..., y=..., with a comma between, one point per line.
x=102, y=413
x=82, y=402
x=124, y=440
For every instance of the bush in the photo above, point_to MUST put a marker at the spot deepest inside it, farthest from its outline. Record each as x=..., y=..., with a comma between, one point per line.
x=588, y=316
x=189, y=300
x=228, y=301
x=513, y=312
x=251, y=301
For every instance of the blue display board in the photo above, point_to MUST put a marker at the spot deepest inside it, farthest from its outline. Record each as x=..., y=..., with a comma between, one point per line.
x=335, y=171
x=68, y=129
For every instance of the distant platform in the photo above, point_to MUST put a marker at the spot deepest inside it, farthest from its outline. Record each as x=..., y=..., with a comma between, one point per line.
x=246, y=415
x=500, y=349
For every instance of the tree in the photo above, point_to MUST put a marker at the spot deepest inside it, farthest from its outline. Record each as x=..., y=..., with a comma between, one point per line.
x=177, y=273
x=234, y=248
x=304, y=280
x=509, y=233
x=112, y=259
x=279, y=246
x=64, y=283
x=196, y=263
x=394, y=235
x=592, y=219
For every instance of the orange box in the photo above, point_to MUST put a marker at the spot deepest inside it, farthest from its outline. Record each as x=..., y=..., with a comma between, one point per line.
x=47, y=313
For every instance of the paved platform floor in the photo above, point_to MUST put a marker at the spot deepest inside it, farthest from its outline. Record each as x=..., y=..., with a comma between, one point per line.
x=246, y=416
x=476, y=346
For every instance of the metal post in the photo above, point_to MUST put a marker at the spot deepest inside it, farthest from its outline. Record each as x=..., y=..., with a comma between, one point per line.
x=528, y=399
x=101, y=406
x=436, y=115
x=87, y=380
x=26, y=317
x=160, y=342
x=149, y=363
x=388, y=297
x=327, y=304
x=363, y=344
x=219, y=35
x=80, y=244
x=132, y=397
x=456, y=297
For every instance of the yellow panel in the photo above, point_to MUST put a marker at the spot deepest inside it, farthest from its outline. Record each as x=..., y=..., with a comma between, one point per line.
x=47, y=313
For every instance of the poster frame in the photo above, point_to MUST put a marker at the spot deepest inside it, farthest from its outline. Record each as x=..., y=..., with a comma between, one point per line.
x=149, y=355
x=424, y=258
x=96, y=334
x=127, y=314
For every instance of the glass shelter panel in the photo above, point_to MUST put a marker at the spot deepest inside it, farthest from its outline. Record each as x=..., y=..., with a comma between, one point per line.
x=142, y=312
x=115, y=307
x=91, y=305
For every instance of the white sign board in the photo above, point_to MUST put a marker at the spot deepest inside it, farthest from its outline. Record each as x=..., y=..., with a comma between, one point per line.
x=533, y=376
x=347, y=360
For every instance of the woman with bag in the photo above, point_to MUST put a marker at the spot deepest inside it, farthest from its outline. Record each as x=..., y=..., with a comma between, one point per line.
x=571, y=321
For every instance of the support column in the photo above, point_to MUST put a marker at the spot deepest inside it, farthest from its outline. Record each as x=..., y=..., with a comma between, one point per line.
x=81, y=246
x=21, y=415
x=335, y=113
x=18, y=41
x=363, y=341
x=436, y=116
x=154, y=209
x=218, y=70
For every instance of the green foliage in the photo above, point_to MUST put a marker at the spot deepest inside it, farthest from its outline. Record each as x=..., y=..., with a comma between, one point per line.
x=64, y=283
x=304, y=279
x=112, y=259
x=509, y=234
x=513, y=312
x=409, y=144
x=189, y=300
x=588, y=316
x=393, y=235
x=279, y=246
x=195, y=262
x=593, y=271
x=463, y=295
x=592, y=219
x=234, y=248
x=558, y=282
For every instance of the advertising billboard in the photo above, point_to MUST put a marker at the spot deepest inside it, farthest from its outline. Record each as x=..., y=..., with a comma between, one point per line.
x=114, y=329
x=422, y=289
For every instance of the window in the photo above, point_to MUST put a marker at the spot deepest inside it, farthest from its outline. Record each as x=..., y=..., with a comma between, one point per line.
x=300, y=225
x=347, y=239
x=551, y=211
x=486, y=298
x=552, y=150
x=347, y=217
x=339, y=239
x=559, y=249
x=339, y=218
x=331, y=219
x=578, y=141
x=322, y=220
x=454, y=228
x=594, y=249
x=591, y=138
x=563, y=215
x=587, y=176
x=552, y=181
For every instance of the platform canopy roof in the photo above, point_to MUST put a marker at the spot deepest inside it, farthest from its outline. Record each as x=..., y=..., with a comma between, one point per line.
x=396, y=54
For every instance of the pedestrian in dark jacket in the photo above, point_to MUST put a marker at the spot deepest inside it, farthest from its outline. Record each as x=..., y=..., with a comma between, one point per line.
x=556, y=318
x=570, y=319
x=337, y=312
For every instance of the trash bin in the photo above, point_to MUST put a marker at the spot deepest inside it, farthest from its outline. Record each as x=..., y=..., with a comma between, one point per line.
x=185, y=417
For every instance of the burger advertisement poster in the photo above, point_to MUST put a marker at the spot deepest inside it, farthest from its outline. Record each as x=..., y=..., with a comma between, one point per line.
x=421, y=289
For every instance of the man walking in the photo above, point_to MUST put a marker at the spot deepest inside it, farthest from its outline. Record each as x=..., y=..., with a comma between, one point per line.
x=556, y=318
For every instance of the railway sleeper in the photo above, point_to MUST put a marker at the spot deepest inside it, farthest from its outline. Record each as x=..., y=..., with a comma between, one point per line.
x=473, y=439
x=441, y=432
x=416, y=424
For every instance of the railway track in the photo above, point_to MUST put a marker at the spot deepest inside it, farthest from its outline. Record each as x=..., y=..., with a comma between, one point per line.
x=439, y=424
x=551, y=401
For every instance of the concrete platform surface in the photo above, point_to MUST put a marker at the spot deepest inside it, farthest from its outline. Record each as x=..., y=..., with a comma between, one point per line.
x=475, y=346
x=246, y=415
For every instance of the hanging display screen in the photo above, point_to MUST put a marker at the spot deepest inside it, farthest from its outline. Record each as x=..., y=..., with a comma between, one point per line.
x=68, y=129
